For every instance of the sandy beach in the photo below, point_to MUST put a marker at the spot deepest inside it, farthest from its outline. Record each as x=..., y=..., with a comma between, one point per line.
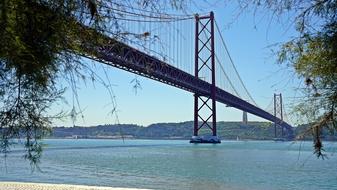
x=42, y=186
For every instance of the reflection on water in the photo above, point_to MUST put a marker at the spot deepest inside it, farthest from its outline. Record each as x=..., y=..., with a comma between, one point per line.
x=164, y=164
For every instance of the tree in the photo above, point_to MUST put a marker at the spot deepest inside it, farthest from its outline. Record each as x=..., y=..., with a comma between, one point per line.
x=313, y=56
x=41, y=41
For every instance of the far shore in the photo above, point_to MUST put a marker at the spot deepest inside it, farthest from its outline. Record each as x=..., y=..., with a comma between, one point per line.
x=175, y=138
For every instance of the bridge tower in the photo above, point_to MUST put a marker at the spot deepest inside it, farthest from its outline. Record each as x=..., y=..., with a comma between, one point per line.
x=244, y=118
x=278, y=112
x=205, y=105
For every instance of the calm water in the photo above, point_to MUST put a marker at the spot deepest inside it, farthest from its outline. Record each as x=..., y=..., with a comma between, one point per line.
x=163, y=164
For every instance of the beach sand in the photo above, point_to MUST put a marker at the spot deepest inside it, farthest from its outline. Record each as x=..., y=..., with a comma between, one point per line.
x=43, y=186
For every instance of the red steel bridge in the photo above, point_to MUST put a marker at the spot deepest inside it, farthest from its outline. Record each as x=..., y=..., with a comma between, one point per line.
x=205, y=88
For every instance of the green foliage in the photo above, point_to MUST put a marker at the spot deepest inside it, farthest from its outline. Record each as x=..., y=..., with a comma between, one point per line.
x=39, y=41
x=33, y=42
x=313, y=56
x=42, y=41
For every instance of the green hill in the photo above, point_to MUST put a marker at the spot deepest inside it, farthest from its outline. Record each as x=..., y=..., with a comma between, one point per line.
x=183, y=130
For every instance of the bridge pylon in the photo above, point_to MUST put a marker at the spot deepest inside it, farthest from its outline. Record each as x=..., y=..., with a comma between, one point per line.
x=205, y=105
x=244, y=118
x=278, y=112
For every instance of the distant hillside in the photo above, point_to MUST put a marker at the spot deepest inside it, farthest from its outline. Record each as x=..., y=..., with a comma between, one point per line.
x=304, y=129
x=183, y=130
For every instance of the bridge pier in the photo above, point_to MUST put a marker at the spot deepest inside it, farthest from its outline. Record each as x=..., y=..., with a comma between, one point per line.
x=205, y=54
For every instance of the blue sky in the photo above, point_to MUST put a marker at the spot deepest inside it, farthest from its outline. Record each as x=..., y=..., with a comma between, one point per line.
x=247, y=38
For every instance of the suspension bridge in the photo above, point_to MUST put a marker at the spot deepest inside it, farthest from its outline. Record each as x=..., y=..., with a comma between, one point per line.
x=190, y=54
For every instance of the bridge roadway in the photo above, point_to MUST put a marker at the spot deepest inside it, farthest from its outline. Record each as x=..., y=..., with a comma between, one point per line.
x=122, y=56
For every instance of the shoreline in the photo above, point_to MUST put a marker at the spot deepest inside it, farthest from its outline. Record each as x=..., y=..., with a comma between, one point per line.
x=187, y=139
x=179, y=139
x=8, y=185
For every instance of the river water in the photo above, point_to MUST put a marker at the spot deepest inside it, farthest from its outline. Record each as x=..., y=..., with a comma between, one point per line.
x=177, y=164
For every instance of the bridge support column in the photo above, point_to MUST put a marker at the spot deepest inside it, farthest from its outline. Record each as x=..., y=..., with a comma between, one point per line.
x=244, y=118
x=278, y=113
x=205, y=70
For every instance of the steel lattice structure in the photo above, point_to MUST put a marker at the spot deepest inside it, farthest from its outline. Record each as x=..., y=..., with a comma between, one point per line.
x=278, y=113
x=205, y=46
